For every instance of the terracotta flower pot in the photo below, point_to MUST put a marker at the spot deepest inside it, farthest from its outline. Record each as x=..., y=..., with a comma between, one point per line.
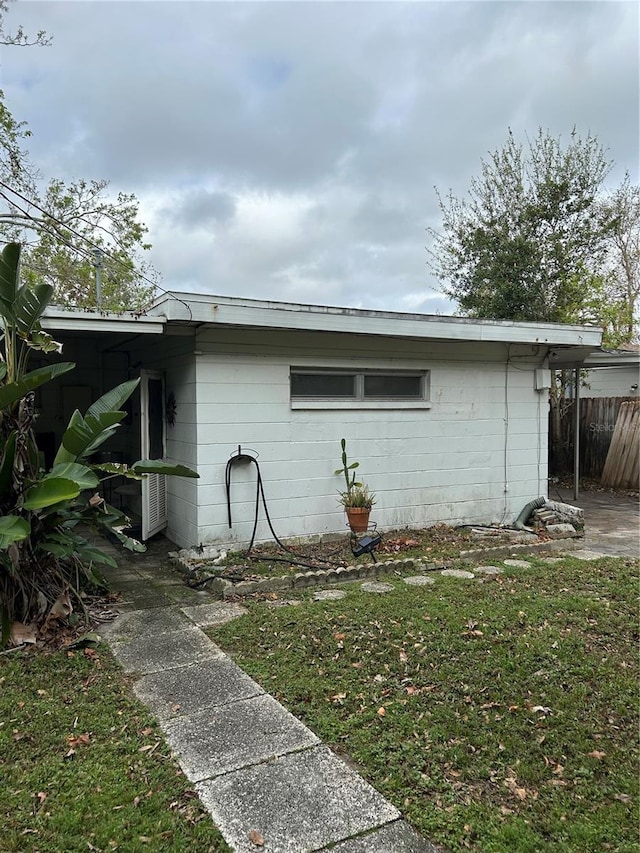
x=358, y=517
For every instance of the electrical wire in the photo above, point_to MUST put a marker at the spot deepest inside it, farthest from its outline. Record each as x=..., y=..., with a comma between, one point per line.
x=55, y=233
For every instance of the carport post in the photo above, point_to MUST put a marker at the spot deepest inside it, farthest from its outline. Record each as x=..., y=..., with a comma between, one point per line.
x=576, y=435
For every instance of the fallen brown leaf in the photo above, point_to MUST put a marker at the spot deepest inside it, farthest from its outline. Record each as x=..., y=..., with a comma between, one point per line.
x=256, y=838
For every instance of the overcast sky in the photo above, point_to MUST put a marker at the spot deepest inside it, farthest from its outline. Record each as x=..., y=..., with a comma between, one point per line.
x=290, y=150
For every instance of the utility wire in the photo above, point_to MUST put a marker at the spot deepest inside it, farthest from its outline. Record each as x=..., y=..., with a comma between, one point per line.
x=55, y=233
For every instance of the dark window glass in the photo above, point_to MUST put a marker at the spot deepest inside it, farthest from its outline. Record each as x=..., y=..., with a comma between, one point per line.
x=392, y=386
x=322, y=385
x=156, y=412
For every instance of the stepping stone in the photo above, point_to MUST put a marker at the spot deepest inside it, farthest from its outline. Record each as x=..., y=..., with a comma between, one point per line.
x=214, y=613
x=284, y=602
x=302, y=801
x=329, y=595
x=553, y=560
x=585, y=554
x=517, y=564
x=457, y=573
x=373, y=586
x=194, y=688
x=489, y=570
x=153, y=653
x=419, y=580
x=397, y=836
x=219, y=740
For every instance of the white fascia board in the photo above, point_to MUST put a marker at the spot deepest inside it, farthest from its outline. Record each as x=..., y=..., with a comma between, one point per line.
x=613, y=358
x=229, y=311
x=61, y=320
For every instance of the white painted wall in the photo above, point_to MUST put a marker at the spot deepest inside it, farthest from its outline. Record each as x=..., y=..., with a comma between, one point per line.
x=447, y=463
x=611, y=382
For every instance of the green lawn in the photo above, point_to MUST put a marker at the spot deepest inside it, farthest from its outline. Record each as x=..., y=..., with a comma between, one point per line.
x=498, y=715
x=84, y=767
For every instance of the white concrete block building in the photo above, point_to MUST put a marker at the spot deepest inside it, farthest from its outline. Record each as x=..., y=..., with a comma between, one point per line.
x=447, y=416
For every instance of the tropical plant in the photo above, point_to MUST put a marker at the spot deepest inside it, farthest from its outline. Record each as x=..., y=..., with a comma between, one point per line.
x=43, y=558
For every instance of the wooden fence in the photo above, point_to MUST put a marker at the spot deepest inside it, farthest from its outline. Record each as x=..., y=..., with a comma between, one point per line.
x=622, y=468
x=598, y=416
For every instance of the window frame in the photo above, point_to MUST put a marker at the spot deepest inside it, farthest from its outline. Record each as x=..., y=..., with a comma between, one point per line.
x=359, y=400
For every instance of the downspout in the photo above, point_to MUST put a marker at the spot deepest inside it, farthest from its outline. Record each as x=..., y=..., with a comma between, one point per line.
x=576, y=435
x=536, y=503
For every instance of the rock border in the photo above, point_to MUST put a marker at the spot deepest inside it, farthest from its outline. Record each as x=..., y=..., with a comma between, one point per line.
x=224, y=588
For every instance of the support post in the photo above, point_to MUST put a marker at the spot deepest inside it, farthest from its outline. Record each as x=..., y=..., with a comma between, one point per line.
x=97, y=263
x=576, y=434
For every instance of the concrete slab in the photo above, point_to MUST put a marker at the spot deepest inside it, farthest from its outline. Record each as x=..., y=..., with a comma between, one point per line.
x=189, y=689
x=517, y=564
x=299, y=803
x=586, y=554
x=213, y=742
x=376, y=586
x=489, y=570
x=457, y=573
x=157, y=652
x=419, y=580
x=396, y=837
x=159, y=620
x=214, y=613
x=142, y=596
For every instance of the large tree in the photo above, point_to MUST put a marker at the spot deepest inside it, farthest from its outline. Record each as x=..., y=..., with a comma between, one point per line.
x=68, y=228
x=532, y=239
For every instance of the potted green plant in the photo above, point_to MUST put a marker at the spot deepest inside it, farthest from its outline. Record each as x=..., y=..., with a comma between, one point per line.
x=357, y=499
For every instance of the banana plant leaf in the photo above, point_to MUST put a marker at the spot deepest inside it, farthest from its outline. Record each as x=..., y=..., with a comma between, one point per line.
x=49, y=492
x=14, y=391
x=156, y=466
x=81, y=475
x=119, y=469
x=113, y=400
x=12, y=529
x=9, y=268
x=83, y=436
x=29, y=306
x=6, y=466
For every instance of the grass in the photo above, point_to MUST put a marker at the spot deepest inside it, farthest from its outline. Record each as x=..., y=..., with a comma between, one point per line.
x=497, y=714
x=84, y=767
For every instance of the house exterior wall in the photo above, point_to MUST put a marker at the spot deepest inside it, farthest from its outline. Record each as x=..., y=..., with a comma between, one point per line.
x=477, y=455
x=612, y=382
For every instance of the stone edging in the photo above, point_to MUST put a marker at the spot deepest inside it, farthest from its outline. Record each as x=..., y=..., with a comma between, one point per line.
x=224, y=588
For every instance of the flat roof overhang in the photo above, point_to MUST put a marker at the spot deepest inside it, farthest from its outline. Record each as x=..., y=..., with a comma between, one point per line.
x=251, y=313
x=88, y=322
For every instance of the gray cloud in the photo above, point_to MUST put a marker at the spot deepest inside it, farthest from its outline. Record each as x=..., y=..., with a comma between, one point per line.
x=290, y=150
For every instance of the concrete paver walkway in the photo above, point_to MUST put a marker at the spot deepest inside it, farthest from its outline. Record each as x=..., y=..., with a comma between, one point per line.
x=256, y=768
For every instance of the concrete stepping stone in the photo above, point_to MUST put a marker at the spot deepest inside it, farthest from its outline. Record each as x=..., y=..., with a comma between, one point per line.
x=214, y=613
x=489, y=570
x=329, y=595
x=134, y=623
x=375, y=586
x=189, y=689
x=585, y=554
x=553, y=560
x=219, y=740
x=163, y=651
x=284, y=602
x=517, y=564
x=398, y=837
x=457, y=573
x=310, y=796
x=419, y=580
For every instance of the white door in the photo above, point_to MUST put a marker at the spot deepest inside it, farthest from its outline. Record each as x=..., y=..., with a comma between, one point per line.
x=152, y=424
